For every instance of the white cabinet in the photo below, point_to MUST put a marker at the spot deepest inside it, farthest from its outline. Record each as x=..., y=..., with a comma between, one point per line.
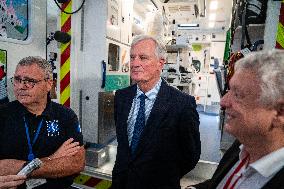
x=201, y=88
x=105, y=61
x=126, y=21
x=205, y=90
x=119, y=20
x=113, y=21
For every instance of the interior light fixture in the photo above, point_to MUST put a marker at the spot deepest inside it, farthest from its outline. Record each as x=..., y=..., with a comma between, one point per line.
x=188, y=28
x=188, y=25
x=213, y=5
x=211, y=24
x=212, y=16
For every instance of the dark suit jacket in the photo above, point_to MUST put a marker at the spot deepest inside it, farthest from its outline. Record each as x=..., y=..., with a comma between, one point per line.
x=227, y=162
x=169, y=146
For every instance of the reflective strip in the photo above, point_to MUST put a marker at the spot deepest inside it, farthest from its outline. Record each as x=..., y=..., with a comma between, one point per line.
x=65, y=95
x=65, y=68
x=67, y=7
x=65, y=50
x=280, y=36
x=280, y=29
x=92, y=182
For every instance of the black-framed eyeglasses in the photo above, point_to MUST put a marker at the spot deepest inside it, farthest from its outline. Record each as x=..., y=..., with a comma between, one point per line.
x=28, y=82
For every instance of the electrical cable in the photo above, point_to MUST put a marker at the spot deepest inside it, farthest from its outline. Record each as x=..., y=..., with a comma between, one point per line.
x=70, y=12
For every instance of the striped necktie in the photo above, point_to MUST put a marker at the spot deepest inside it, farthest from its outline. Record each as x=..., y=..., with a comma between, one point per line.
x=139, y=124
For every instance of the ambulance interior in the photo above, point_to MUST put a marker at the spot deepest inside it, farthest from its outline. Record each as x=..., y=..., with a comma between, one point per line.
x=89, y=51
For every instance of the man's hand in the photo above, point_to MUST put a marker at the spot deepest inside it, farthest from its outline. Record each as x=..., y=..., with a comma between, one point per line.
x=68, y=148
x=11, y=181
x=67, y=160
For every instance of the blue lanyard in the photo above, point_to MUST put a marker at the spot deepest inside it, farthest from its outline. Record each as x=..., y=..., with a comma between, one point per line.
x=31, y=155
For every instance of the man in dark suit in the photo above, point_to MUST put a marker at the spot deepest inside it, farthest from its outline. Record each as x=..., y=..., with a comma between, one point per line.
x=157, y=125
x=255, y=116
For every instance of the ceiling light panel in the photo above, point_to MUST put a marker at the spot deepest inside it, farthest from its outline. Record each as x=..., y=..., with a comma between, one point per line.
x=212, y=16
x=213, y=5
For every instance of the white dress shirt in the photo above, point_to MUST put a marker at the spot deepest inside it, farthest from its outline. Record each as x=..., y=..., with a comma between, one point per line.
x=258, y=173
x=149, y=102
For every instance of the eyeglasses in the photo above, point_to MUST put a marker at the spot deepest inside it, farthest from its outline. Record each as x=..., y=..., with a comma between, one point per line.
x=28, y=82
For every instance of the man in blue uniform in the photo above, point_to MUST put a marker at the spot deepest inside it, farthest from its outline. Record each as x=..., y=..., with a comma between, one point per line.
x=35, y=127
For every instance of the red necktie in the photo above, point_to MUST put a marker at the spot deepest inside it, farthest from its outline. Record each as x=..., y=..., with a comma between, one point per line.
x=243, y=163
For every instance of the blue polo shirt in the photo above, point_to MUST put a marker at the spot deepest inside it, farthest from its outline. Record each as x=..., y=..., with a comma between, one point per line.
x=59, y=123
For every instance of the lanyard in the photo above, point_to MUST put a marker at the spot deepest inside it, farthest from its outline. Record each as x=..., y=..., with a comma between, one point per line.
x=31, y=155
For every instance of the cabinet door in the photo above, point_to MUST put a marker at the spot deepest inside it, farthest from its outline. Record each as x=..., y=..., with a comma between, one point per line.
x=114, y=19
x=126, y=21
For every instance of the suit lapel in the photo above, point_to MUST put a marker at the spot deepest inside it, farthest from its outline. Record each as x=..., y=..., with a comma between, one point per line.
x=228, y=161
x=158, y=112
x=276, y=181
x=227, y=167
x=126, y=103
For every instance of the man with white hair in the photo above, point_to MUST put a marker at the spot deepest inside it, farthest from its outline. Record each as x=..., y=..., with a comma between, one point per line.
x=157, y=126
x=255, y=116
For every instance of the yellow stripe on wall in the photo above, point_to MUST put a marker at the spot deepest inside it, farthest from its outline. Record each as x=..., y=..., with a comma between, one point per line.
x=65, y=68
x=81, y=179
x=63, y=46
x=104, y=184
x=64, y=17
x=65, y=95
x=280, y=34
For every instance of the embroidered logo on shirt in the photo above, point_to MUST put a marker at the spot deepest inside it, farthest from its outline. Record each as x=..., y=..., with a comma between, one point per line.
x=52, y=128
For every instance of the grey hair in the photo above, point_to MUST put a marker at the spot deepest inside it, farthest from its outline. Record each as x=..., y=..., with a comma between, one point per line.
x=269, y=67
x=160, y=48
x=42, y=63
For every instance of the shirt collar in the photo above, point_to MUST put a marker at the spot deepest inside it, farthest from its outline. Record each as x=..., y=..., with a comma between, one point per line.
x=151, y=95
x=22, y=110
x=243, y=153
x=48, y=109
x=267, y=165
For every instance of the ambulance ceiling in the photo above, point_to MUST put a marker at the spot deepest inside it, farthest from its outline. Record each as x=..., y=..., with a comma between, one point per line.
x=210, y=19
x=202, y=12
x=210, y=15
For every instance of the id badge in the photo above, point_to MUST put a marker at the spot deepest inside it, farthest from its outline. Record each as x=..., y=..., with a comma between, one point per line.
x=32, y=183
